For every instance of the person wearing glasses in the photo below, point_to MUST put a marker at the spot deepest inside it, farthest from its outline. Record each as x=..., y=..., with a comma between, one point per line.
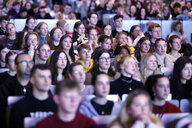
x=43, y=53
x=39, y=104
x=30, y=43
x=67, y=98
x=103, y=63
x=18, y=85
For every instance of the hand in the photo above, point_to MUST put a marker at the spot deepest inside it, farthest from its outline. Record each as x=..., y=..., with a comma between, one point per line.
x=144, y=118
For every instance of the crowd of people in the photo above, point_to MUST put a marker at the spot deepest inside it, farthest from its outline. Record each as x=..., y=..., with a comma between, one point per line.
x=65, y=78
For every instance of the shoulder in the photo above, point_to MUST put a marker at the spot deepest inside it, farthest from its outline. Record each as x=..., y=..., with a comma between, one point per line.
x=84, y=119
x=116, y=81
x=46, y=123
x=173, y=107
x=23, y=102
x=138, y=83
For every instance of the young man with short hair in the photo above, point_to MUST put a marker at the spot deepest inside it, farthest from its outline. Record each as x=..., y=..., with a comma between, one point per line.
x=40, y=103
x=76, y=72
x=67, y=98
x=163, y=59
x=84, y=51
x=118, y=21
x=4, y=20
x=12, y=38
x=155, y=33
x=92, y=19
x=67, y=12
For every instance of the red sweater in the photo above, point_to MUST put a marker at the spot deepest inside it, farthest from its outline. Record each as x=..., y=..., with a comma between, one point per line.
x=80, y=121
x=167, y=108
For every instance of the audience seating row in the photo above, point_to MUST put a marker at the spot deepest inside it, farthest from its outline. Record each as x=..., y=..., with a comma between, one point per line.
x=166, y=25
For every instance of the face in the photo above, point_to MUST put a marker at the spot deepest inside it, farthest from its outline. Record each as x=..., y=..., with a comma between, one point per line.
x=166, y=10
x=104, y=61
x=66, y=28
x=139, y=107
x=66, y=43
x=67, y=9
x=93, y=35
x=68, y=100
x=119, y=10
x=186, y=73
x=41, y=80
x=17, y=7
x=62, y=61
x=129, y=66
x=107, y=30
x=185, y=12
x=44, y=30
x=4, y=23
x=81, y=29
x=11, y=63
x=176, y=45
x=162, y=88
x=106, y=44
x=145, y=46
x=152, y=63
x=42, y=3
x=31, y=24
x=85, y=54
x=102, y=85
x=32, y=40
x=143, y=12
x=136, y=32
x=78, y=74
x=161, y=47
x=133, y=9
x=24, y=65
x=123, y=39
x=28, y=6
x=57, y=35
x=178, y=28
x=177, y=10
x=4, y=53
x=42, y=13
x=156, y=33
x=44, y=52
x=119, y=23
x=93, y=19
x=11, y=30
x=23, y=14
x=56, y=7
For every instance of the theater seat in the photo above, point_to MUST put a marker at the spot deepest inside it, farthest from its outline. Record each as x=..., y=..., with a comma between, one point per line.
x=184, y=121
x=30, y=122
x=114, y=98
x=14, y=99
x=169, y=117
x=124, y=97
x=104, y=120
x=184, y=105
x=3, y=70
x=175, y=102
